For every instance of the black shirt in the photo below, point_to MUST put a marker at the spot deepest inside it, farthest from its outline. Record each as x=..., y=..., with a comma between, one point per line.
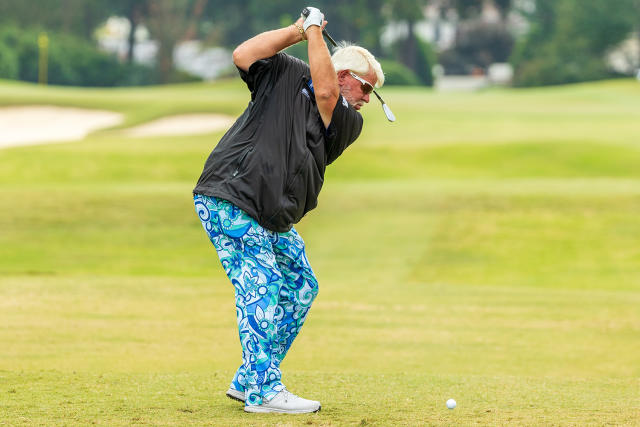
x=271, y=162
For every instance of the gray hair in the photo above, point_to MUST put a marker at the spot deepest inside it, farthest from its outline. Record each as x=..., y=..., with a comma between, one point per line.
x=357, y=59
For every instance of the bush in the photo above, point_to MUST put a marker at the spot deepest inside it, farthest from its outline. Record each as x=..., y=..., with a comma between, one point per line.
x=425, y=59
x=136, y=75
x=179, y=76
x=396, y=74
x=555, y=69
x=71, y=61
x=478, y=44
x=9, y=67
x=568, y=41
x=9, y=53
x=454, y=63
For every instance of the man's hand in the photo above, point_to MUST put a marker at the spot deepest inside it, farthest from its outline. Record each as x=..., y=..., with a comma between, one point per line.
x=315, y=17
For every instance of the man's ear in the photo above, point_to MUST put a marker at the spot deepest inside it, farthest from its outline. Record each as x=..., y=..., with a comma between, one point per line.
x=342, y=74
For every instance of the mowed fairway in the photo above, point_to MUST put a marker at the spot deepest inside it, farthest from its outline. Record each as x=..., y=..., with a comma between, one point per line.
x=485, y=247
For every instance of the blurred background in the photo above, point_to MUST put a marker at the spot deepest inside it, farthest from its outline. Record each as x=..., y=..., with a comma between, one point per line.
x=441, y=43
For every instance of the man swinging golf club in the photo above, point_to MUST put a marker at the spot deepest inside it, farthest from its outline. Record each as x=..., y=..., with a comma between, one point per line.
x=264, y=175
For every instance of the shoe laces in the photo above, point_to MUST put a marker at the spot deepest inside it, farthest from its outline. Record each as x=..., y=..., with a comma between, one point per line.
x=288, y=395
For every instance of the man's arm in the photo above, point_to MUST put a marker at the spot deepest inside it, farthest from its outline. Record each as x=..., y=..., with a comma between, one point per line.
x=265, y=45
x=325, y=80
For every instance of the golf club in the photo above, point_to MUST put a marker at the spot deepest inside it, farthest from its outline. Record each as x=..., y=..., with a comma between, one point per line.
x=385, y=107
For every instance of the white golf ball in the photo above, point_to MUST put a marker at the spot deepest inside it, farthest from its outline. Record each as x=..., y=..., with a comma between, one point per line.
x=451, y=403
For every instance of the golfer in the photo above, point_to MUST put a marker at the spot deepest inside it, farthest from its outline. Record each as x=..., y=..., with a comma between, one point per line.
x=264, y=175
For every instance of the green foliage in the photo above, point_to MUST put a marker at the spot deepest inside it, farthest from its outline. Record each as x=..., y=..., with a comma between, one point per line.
x=76, y=62
x=478, y=44
x=77, y=17
x=9, y=65
x=397, y=74
x=179, y=76
x=71, y=61
x=424, y=59
x=357, y=21
x=471, y=9
x=569, y=39
x=23, y=44
x=406, y=10
x=454, y=63
x=556, y=68
x=413, y=52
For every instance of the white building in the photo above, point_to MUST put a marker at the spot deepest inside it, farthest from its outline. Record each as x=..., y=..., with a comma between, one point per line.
x=189, y=56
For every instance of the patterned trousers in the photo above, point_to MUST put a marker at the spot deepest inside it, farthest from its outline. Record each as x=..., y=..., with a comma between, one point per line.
x=274, y=288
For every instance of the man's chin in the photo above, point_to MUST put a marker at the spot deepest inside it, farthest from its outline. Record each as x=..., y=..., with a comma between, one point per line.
x=357, y=106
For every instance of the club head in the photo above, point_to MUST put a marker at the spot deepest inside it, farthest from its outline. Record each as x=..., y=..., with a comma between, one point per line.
x=385, y=108
x=388, y=113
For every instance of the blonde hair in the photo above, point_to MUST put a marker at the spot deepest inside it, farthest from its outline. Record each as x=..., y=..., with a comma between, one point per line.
x=357, y=59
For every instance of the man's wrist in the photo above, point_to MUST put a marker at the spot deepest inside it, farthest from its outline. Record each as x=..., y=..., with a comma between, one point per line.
x=300, y=31
x=313, y=29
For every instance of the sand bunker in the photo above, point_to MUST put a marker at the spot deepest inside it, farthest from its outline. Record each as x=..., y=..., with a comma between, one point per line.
x=31, y=125
x=184, y=124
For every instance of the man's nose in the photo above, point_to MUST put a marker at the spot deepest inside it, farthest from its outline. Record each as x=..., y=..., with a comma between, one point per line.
x=365, y=98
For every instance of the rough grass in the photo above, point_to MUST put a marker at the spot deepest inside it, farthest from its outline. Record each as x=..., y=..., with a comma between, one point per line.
x=485, y=247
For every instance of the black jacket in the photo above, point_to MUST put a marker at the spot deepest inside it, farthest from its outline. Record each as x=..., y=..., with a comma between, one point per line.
x=271, y=162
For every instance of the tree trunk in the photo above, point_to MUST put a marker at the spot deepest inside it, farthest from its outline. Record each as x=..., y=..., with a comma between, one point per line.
x=171, y=22
x=165, y=60
x=88, y=21
x=410, y=47
x=133, y=15
x=131, y=42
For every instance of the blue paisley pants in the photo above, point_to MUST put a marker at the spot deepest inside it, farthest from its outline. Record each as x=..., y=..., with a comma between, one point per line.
x=274, y=288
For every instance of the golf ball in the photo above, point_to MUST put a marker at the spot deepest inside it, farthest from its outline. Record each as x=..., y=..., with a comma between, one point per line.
x=451, y=403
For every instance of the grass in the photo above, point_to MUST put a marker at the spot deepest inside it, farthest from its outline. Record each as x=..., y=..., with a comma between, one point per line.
x=485, y=247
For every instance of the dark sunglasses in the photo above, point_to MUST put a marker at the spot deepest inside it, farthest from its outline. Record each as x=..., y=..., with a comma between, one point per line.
x=366, y=87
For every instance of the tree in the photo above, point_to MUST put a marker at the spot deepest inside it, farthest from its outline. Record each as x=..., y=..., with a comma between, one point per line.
x=568, y=40
x=472, y=9
x=359, y=21
x=170, y=21
x=77, y=17
x=504, y=6
x=409, y=12
x=636, y=15
x=136, y=11
x=479, y=42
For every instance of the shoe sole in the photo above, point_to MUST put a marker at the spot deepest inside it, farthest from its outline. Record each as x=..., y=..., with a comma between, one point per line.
x=261, y=410
x=233, y=397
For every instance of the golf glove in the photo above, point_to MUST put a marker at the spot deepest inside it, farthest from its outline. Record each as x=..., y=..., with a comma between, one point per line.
x=315, y=18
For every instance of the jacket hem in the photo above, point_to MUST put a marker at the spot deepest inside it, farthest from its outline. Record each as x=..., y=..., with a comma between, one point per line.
x=221, y=194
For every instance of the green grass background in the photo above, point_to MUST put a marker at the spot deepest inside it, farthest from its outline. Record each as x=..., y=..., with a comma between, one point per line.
x=485, y=247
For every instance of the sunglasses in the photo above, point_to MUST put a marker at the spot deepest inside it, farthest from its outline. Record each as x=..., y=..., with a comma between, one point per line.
x=366, y=87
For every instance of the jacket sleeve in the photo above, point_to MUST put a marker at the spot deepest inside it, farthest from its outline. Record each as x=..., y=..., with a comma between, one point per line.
x=267, y=70
x=345, y=127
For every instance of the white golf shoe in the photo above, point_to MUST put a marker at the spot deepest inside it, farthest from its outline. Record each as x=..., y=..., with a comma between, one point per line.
x=286, y=403
x=234, y=394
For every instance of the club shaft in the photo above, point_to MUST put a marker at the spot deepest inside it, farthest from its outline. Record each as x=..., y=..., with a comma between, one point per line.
x=333, y=42
x=305, y=13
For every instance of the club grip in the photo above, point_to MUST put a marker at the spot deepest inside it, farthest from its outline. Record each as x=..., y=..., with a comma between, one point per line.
x=305, y=12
